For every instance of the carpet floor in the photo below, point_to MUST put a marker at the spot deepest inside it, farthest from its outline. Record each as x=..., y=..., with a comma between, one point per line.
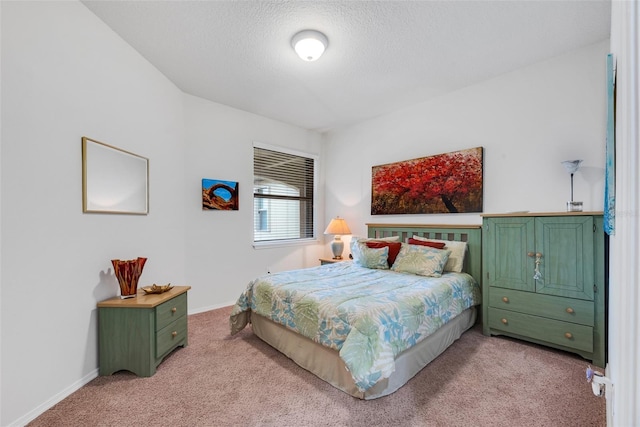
x=219, y=380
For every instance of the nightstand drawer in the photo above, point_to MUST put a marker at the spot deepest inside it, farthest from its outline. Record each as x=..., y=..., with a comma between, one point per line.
x=171, y=310
x=565, y=334
x=172, y=334
x=559, y=308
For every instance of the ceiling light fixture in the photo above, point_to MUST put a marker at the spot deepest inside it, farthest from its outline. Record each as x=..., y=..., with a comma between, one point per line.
x=309, y=44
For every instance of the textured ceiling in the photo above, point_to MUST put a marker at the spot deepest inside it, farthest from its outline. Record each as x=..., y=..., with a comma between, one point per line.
x=382, y=55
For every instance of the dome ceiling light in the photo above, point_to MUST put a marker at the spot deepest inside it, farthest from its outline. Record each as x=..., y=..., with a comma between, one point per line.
x=309, y=44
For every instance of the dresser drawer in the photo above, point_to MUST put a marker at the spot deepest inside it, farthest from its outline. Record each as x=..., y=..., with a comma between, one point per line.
x=559, y=308
x=171, y=310
x=171, y=336
x=566, y=334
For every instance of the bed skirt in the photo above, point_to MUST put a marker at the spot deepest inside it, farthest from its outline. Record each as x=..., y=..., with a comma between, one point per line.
x=327, y=364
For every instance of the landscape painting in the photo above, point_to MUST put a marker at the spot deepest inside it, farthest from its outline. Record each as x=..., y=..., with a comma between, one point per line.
x=443, y=183
x=219, y=195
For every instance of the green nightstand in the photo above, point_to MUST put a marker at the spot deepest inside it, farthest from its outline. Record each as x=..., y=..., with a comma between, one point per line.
x=135, y=334
x=324, y=261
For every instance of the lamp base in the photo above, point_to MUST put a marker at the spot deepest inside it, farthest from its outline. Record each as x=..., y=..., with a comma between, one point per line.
x=337, y=246
x=574, y=206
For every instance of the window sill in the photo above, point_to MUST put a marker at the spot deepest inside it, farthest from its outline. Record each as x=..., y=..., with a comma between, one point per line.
x=283, y=243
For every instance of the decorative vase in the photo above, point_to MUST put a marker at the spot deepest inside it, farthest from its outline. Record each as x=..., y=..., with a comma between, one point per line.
x=128, y=273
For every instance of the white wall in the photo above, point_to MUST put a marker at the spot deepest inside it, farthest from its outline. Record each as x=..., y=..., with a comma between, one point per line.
x=220, y=257
x=65, y=75
x=528, y=121
x=0, y=213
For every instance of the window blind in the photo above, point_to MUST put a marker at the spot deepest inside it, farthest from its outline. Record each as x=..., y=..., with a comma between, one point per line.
x=283, y=194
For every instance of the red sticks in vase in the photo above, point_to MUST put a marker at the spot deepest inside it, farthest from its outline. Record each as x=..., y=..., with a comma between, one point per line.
x=128, y=273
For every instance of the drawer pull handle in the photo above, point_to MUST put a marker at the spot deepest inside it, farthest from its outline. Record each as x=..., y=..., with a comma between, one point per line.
x=504, y=321
x=569, y=310
x=173, y=310
x=505, y=299
x=174, y=334
x=568, y=335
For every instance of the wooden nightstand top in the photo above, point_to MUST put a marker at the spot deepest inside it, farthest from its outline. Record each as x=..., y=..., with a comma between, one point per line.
x=332, y=260
x=143, y=300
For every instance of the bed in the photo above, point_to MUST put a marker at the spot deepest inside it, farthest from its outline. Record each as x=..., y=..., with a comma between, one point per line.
x=364, y=327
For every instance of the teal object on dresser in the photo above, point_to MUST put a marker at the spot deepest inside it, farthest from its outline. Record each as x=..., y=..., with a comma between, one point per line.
x=544, y=280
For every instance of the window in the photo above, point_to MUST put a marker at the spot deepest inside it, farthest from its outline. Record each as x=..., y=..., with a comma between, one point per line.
x=283, y=194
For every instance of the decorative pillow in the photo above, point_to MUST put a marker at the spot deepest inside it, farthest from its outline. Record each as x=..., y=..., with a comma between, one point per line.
x=437, y=245
x=353, y=245
x=394, y=248
x=458, y=251
x=372, y=257
x=421, y=260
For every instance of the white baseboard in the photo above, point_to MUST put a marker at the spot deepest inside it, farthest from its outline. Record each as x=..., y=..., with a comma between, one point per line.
x=32, y=415
x=212, y=307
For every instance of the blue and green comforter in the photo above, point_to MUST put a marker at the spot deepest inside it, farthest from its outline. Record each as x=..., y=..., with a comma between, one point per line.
x=368, y=315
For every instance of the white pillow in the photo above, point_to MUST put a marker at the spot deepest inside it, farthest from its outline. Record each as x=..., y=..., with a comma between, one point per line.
x=421, y=260
x=458, y=251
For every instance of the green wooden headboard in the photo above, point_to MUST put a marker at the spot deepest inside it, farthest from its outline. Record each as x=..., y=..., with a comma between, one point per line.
x=472, y=234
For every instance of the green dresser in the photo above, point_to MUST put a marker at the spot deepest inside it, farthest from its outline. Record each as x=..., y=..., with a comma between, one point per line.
x=544, y=280
x=135, y=334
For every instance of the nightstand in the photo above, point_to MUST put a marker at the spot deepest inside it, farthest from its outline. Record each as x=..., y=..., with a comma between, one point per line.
x=324, y=261
x=135, y=334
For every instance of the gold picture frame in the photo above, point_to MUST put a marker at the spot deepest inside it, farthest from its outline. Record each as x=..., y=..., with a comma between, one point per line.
x=114, y=181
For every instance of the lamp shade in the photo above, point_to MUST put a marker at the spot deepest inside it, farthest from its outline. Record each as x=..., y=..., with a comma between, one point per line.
x=572, y=166
x=309, y=44
x=337, y=226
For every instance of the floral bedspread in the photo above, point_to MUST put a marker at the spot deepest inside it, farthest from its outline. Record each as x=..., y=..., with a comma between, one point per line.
x=368, y=315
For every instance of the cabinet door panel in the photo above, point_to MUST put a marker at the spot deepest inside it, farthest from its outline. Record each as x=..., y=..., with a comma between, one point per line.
x=509, y=241
x=566, y=244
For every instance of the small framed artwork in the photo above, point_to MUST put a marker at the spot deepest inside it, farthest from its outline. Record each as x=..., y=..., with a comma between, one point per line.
x=219, y=195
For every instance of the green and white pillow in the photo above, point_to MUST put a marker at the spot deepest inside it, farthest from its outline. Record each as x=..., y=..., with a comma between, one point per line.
x=421, y=260
x=458, y=251
x=369, y=257
x=373, y=257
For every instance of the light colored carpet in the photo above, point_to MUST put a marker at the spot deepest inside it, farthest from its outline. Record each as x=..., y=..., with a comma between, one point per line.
x=220, y=380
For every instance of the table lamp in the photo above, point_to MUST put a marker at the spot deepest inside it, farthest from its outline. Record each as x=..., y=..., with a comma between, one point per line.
x=338, y=227
x=572, y=167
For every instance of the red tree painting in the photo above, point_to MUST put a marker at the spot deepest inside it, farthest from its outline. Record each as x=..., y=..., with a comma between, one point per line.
x=444, y=183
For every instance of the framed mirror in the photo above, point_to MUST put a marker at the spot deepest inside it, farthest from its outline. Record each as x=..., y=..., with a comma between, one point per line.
x=113, y=180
